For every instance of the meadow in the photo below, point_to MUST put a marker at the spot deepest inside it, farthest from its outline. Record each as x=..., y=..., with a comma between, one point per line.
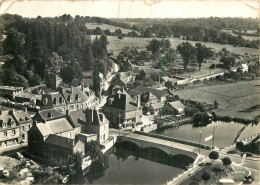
x=116, y=44
x=241, y=99
x=106, y=27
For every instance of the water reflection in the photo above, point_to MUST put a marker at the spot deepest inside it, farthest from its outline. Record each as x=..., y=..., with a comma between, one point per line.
x=126, y=163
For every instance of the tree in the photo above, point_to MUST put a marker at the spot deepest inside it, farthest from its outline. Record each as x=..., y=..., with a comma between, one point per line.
x=214, y=155
x=206, y=176
x=228, y=62
x=187, y=51
x=153, y=46
x=77, y=162
x=215, y=104
x=203, y=53
x=239, y=144
x=93, y=149
x=226, y=161
x=13, y=44
x=201, y=107
x=120, y=37
x=67, y=74
x=201, y=119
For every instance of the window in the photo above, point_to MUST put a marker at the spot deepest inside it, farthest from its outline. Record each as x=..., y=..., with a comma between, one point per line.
x=12, y=123
x=22, y=127
x=13, y=132
x=29, y=126
x=5, y=134
x=4, y=125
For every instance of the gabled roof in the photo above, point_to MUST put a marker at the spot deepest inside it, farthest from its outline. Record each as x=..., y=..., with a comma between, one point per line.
x=77, y=117
x=177, y=105
x=6, y=116
x=22, y=116
x=123, y=101
x=60, y=141
x=151, y=71
x=154, y=91
x=157, y=106
x=96, y=118
x=54, y=126
x=47, y=115
x=72, y=93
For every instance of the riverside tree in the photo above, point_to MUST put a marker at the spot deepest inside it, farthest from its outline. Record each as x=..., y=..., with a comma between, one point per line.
x=214, y=155
x=187, y=51
x=226, y=161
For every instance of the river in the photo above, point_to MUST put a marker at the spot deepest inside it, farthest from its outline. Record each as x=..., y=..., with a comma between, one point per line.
x=225, y=133
x=128, y=165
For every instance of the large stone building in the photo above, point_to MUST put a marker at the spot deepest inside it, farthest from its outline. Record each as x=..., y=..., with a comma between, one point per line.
x=14, y=126
x=123, y=108
x=67, y=99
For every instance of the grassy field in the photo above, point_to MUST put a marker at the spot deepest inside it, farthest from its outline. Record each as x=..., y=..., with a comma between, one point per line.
x=117, y=44
x=244, y=36
x=105, y=27
x=241, y=99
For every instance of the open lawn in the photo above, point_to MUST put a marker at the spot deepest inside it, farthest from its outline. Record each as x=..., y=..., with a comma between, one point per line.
x=241, y=99
x=106, y=27
x=117, y=44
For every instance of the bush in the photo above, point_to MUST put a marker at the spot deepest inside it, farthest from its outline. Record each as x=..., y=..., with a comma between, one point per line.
x=201, y=119
x=239, y=145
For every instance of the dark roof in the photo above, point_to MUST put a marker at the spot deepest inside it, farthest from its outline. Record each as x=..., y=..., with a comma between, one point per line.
x=73, y=93
x=123, y=101
x=60, y=141
x=22, y=116
x=47, y=115
x=78, y=117
x=96, y=118
x=157, y=92
x=151, y=71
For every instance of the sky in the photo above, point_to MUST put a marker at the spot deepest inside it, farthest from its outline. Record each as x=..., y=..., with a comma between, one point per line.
x=133, y=8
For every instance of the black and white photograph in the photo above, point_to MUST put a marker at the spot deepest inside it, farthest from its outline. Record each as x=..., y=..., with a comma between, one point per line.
x=129, y=92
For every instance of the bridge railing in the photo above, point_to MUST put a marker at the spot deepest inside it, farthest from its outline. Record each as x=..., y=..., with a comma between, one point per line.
x=182, y=141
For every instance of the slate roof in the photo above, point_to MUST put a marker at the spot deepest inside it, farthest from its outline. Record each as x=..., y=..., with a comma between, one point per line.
x=72, y=93
x=151, y=71
x=60, y=141
x=77, y=117
x=177, y=105
x=98, y=117
x=54, y=126
x=22, y=116
x=45, y=115
x=123, y=101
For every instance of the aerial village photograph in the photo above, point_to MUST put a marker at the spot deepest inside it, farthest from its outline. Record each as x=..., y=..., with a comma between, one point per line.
x=129, y=92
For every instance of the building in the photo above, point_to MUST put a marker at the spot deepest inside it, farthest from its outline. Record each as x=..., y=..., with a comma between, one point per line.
x=122, y=108
x=9, y=91
x=97, y=123
x=65, y=99
x=55, y=81
x=175, y=107
x=14, y=126
x=33, y=99
x=149, y=95
x=242, y=68
x=50, y=122
x=149, y=73
x=155, y=108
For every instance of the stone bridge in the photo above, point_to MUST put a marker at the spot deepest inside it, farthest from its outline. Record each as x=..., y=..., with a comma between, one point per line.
x=167, y=146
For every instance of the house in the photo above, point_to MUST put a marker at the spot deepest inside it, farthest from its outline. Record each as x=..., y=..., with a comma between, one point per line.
x=97, y=123
x=49, y=122
x=34, y=99
x=175, y=107
x=55, y=81
x=65, y=99
x=124, y=79
x=149, y=95
x=9, y=91
x=149, y=73
x=127, y=66
x=242, y=68
x=14, y=126
x=62, y=148
x=155, y=108
x=122, y=108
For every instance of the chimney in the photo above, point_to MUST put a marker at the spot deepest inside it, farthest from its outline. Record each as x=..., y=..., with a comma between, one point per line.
x=12, y=111
x=25, y=109
x=34, y=123
x=1, y=111
x=44, y=120
x=67, y=112
x=92, y=115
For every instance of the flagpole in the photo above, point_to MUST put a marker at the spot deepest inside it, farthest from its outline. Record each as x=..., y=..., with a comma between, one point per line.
x=213, y=137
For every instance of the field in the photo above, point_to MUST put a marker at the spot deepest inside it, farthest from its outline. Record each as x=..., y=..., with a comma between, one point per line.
x=244, y=36
x=105, y=27
x=116, y=44
x=241, y=99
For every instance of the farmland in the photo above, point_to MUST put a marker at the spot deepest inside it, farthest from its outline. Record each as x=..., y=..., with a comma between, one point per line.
x=106, y=27
x=241, y=99
x=116, y=44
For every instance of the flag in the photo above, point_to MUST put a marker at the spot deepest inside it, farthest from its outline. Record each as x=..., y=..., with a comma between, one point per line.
x=209, y=138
